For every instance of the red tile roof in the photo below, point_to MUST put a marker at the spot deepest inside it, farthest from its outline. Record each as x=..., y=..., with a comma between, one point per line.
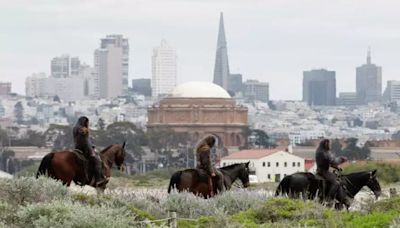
x=251, y=154
x=308, y=164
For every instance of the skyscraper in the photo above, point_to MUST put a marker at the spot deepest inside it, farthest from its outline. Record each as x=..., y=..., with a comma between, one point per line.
x=163, y=70
x=392, y=91
x=221, y=68
x=64, y=66
x=111, y=63
x=5, y=88
x=319, y=87
x=255, y=90
x=368, y=82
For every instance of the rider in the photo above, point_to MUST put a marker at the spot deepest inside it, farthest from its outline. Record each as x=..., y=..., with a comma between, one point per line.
x=82, y=143
x=325, y=159
x=203, y=152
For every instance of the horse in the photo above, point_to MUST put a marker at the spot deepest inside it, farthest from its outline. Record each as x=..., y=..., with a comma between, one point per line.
x=67, y=166
x=308, y=186
x=196, y=181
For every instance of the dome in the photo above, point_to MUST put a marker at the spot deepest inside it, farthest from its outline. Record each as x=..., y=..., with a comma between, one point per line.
x=199, y=90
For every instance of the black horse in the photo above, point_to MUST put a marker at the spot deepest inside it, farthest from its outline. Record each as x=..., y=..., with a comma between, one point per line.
x=307, y=185
x=196, y=180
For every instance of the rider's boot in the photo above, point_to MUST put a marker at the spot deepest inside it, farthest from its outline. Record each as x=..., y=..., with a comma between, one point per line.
x=210, y=186
x=100, y=179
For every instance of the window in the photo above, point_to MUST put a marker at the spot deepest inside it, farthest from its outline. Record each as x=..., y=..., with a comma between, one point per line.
x=294, y=164
x=269, y=176
x=298, y=164
x=263, y=164
x=269, y=164
x=284, y=175
x=285, y=164
x=224, y=164
x=277, y=164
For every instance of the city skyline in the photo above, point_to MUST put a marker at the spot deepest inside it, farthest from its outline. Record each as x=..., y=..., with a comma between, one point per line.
x=275, y=42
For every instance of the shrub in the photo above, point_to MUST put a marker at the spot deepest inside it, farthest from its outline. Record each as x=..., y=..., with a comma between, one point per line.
x=67, y=214
x=386, y=205
x=375, y=219
x=387, y=173
x=25, y=190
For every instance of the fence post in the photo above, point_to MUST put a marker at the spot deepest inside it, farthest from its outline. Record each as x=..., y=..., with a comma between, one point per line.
x=174, y=223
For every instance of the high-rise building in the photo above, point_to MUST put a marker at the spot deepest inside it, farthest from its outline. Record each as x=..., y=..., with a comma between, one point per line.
x=5, y=88
x=392, y=91
x=347, y=99
x=34, y=85
x=67, y=89
x=90, y=80
x=163, y=70
x=64, y=66
x=111, y=63
x=235, y=83
x=142, y=86
x=255, y=90
x=221, y=68
x=368, y=82
x=319, y=87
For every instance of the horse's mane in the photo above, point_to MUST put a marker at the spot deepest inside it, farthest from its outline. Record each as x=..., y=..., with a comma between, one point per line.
x=105, y=149
x=357, y=174
x=231, y=166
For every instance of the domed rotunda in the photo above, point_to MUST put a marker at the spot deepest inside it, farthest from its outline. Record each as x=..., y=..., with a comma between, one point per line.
x=201, y=108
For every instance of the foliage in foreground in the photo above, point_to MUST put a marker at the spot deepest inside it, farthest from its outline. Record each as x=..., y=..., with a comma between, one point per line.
x=30, y=202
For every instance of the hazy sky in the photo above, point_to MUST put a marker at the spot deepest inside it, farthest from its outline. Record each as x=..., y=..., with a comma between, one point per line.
x=272, y=41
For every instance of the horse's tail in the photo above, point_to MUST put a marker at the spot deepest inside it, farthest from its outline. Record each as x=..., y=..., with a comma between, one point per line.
x=282, y=186
x=45, y=165
x=175, y=180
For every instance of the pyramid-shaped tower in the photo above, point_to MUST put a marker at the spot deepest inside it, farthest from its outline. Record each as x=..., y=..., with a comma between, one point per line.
x=221, y=68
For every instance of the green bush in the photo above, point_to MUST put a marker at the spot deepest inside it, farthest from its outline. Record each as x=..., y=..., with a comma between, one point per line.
x=375, y=219
x=67, y=214
x=392, y=204
x=387, y=173
x=23, y=190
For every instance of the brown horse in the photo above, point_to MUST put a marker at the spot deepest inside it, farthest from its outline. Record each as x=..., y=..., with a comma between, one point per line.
x=196, y=180
x=67, y=166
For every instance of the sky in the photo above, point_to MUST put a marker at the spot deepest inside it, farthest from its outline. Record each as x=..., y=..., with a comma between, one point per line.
x=272, y=41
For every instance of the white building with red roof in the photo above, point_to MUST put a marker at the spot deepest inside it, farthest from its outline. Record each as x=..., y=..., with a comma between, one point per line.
x=268, y=165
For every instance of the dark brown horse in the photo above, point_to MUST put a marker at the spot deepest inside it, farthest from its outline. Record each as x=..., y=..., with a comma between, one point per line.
x=309, y=186
x=67, y=166
x=196, y=180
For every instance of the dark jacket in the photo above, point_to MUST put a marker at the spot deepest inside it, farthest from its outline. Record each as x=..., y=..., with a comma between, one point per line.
x=324, y=158
x=203, y=152
x=81, y=136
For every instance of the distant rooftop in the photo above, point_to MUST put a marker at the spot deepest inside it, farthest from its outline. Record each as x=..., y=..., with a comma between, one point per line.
x=252, y=154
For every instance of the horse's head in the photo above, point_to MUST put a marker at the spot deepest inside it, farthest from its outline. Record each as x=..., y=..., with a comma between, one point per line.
x=120, y=157
x=244, y=174
x=373, y=184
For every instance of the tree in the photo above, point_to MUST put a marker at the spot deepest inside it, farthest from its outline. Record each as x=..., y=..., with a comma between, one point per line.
x=19, y=112
x=119, y=132
x=336, y=147
x=261, y=140
x=354, y=152
x=59, y=136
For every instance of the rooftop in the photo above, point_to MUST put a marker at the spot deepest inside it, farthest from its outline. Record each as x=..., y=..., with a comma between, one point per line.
x=252, y=154
x=199, y=90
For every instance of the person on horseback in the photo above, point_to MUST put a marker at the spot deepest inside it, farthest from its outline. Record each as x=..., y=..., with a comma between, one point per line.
x=203, y=152
x=325, y=159
x=82, y=142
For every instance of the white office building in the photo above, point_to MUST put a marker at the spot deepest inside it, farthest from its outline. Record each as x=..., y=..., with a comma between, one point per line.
x=267, y=165
x=164, y=71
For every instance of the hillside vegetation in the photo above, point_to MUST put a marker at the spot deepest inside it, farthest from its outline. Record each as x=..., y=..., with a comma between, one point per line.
x=30, y=202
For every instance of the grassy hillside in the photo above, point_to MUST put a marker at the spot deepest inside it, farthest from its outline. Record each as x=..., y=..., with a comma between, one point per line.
x=30, y=202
